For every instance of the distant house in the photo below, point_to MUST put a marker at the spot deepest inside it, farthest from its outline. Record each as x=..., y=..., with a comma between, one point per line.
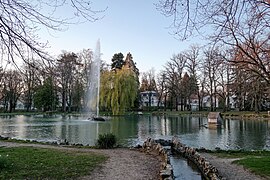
x=149, y=98
x=20, y=105
x=206, y=101
x=232, y=101
x=194, y=103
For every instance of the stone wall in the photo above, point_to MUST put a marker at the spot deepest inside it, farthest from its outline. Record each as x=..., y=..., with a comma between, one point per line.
x=209, y=171
x=153, y=146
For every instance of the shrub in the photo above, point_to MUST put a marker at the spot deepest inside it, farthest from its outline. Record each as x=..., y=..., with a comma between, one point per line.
x=106, y=141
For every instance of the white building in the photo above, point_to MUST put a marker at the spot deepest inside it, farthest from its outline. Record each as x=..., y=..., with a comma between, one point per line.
x=149, y=98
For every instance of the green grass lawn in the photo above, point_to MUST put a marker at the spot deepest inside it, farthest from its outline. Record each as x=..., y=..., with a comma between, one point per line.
x=39, y=163
x=257, y=162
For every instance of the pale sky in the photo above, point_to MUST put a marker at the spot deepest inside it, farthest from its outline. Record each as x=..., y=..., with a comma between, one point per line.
x=127, y=26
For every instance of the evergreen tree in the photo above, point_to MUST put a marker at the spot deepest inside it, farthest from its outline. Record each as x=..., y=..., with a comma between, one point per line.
x=117, y=61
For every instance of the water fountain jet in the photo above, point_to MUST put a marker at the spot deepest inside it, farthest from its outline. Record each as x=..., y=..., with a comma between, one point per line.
x=93, y=85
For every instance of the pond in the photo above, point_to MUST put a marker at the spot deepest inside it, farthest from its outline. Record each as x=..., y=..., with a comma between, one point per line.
x=132, y=130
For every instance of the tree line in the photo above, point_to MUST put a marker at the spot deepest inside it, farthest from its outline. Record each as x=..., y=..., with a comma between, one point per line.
x=63, y=86
x=218, y=73
x=194, y=73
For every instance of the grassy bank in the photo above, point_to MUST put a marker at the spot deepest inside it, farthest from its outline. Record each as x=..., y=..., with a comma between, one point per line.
x=229, y=114
x=257, y=162
x=40, y=163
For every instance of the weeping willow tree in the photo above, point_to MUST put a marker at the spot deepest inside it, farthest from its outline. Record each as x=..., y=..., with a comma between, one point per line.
x=118, y=90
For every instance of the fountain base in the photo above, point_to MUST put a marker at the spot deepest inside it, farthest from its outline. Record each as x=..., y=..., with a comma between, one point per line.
x=97, y=118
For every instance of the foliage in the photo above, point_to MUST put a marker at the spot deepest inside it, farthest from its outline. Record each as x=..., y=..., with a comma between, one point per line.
x=118, y=90
x=39, y=163
x=45, y=97
x=117, y=61
x=106, y=141
x=77, y=95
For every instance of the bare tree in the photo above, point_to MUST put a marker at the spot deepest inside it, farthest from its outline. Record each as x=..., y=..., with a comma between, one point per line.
x=161, y=88
x=211, y=65
x=239, y=24
x=174, y=70
x=193, y=62
x=31, y=78
x=20, y=21
x=66, y=71
x=12, y=88
x=148, y=81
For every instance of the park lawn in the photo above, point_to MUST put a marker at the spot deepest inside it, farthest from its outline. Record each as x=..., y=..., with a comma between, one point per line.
x=40, y=163
x=257, y=162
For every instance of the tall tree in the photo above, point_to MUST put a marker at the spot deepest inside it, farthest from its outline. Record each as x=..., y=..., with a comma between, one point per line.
x=211, y=64
x=31, y=78
x=174, y=70
x=239, y=24
x=45, y=97
x=161, y=88
x=82, y=77
x=118, y=90
x=193, y=63
x=12, y=89
x=117, y=61
x=148, y=81
x=67, y=69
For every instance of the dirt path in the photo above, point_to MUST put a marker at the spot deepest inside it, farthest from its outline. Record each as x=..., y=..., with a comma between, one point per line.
x=123, y=163
x=126, y=164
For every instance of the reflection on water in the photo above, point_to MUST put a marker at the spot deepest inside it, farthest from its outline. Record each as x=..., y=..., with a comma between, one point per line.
x=132, y=130
x=184, y=169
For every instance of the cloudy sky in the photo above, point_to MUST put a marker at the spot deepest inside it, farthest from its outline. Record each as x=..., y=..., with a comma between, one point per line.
x=127, y=26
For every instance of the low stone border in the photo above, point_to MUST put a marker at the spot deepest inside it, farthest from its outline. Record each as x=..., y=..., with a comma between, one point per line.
x=152, y=146
x=208, y=170
x=61, y=143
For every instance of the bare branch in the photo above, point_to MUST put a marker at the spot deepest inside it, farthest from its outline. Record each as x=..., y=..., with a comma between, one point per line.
x=20, y=21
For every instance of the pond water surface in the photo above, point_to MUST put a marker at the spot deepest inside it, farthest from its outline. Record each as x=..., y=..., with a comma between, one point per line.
x=132, y=130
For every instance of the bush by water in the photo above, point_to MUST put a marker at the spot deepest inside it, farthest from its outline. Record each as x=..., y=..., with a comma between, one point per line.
x=106, y=141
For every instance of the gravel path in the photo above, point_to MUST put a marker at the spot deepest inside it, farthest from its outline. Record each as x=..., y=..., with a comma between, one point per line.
x=126, y=164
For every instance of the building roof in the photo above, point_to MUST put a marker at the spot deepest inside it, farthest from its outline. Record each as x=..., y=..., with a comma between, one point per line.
x=214, y=115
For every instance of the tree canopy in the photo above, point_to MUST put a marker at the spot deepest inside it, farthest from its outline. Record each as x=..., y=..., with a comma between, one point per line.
x=119, y=89
x=117, y=61
x=45, y=97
